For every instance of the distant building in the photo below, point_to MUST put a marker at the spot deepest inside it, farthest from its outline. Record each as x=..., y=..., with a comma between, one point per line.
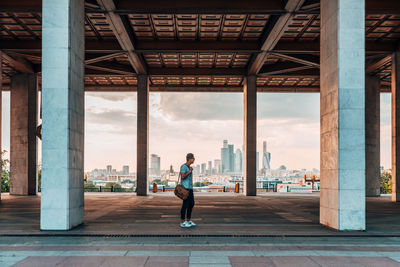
x=209, y=170
x=125, y=170
x=257, y=161
x=171, y=169
x=238, y=160
x=155, y=165
x=203, y=168
x=231, y=158
x=196, y=169
x=266, y=158
x=109, y=168
x=224, y=157
x=218, y=166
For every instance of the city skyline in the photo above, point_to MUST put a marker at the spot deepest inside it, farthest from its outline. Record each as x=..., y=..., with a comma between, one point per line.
x=291, y=128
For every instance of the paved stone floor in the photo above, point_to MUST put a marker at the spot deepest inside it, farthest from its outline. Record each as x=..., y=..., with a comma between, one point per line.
x=267, y=230
x=199, y=251
x=216, y=214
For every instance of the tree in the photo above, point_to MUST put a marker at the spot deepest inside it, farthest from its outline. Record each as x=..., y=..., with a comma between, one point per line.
x=206, y=183
x=40, y=180
x=386, y=183
x=5, y=174
x=90, y=187
x=157, y=181
x=114, y=187
x=198, y=184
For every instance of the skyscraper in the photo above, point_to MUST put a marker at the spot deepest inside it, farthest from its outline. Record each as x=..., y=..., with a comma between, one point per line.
x=155, y=165
x=109, y=168
x=231, y=158
x=238, y=161
x=266, y=158
x=257, y=159
x=125, y=170
x=203, y=168
x=209, y=171
x=218, y=166
x=224, y=157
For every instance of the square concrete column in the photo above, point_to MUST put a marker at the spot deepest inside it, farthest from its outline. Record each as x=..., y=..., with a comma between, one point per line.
x=250, y=136
x=142, y=153
x=62, y=114
x=342, y=199
x=23, y=119
x=396, y=126
x=372, y=136
x=1, y=113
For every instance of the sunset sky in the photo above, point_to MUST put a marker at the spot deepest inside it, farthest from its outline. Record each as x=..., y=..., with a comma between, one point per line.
x=198, y=123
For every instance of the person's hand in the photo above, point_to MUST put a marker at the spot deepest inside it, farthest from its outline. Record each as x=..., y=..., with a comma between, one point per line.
x=190, y=169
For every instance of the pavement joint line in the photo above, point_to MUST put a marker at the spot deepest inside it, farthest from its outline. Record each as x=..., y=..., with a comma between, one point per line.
x=198, y=254
x=205, y=245
x=193, y=235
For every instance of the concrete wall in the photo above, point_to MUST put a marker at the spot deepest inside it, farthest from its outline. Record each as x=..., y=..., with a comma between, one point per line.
x=23, y=146
x=62, y=114
x=342, y=200
x=372, y=136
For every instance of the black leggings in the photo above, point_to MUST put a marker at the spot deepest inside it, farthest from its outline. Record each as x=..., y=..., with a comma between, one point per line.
x=187, y=206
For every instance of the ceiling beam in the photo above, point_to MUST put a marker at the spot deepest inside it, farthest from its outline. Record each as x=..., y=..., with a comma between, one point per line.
x=111, y=68
x=314, y=47
x=382, y=7
x=194, y=7
x=122, y=35
x=109, y=46
x=274, y=35
x=282, y=68
x=197, y=71
x=201, y=7
x=385, y=88
x=20, y=5
x=20, y=64
x=92, y=46
x=297, y=59
x=194, y=46
x=277, y=72
x=378, y=64
x=105, y=57
x=230, y=89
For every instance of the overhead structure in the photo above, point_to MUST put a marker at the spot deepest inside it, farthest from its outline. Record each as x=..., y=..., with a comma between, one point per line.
x=187, y=46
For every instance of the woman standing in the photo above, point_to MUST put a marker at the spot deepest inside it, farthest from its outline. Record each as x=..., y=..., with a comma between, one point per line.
x=187, y=183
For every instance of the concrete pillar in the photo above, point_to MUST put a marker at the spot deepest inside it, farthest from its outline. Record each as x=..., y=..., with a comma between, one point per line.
x=1, y=113
x=62, y=114
x=396, y=126
x=372, y=136
x=250, y=136
x=23, y=120
x=142, y=135
x=342, y=199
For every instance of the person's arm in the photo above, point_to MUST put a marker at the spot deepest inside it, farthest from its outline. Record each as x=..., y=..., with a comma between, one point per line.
x=184, y=174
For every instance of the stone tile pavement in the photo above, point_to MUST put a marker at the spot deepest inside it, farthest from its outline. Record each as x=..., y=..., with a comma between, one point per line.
x=267, y=230
x=199, y=251
x=222, y=214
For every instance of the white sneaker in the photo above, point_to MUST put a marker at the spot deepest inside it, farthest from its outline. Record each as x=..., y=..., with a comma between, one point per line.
x=191, y=224
x=185, y=224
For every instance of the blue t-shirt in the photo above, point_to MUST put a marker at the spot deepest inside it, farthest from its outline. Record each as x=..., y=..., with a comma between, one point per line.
x=187, y=182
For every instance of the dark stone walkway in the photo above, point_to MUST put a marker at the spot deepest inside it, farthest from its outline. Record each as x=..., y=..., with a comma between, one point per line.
x=217, y=214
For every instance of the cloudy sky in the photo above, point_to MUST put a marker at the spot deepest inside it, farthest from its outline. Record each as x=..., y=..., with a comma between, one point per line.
x=199, y=122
